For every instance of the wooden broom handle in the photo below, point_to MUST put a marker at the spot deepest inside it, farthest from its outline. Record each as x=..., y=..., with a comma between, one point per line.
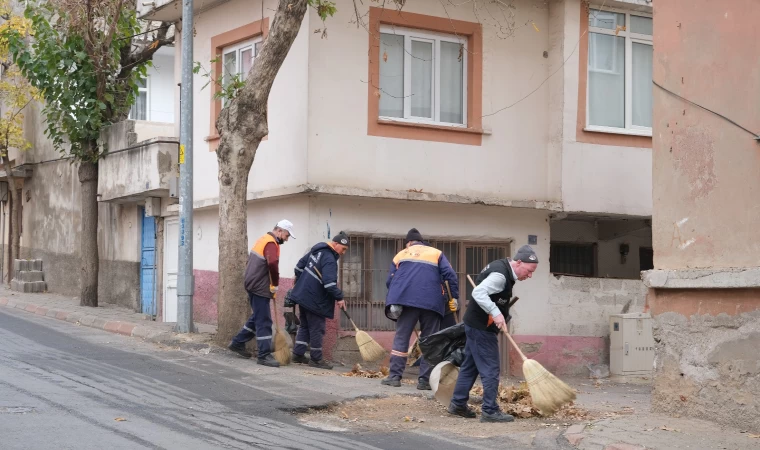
x=350, y=319
x=522, y=355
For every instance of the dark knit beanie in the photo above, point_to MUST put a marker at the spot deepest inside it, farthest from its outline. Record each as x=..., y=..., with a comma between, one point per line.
x=341, y=238
x=414, y=235
x=526, y=255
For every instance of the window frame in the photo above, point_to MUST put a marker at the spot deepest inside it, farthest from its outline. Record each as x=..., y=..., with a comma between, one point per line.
x=253, y=44
x=630, y=39
x=145, y=89
x=413, y=34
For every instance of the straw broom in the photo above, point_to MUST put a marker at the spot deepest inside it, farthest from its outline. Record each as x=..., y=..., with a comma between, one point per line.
x=548, y=392
x=281, y=343
x=368, y=347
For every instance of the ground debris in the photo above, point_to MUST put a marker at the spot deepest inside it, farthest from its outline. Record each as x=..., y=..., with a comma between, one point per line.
x=516, y=401
x=358, y=371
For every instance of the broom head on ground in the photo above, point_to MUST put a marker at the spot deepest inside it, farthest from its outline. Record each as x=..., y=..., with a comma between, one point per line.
x=548, y=392
x=281, y=342
x=368, y=347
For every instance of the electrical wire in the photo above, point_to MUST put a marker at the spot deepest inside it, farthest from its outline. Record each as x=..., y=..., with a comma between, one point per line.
x=755, y=135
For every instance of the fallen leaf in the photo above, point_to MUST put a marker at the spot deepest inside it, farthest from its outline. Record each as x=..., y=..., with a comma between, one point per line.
x=754, y=436
x=120, y=419
x=343, y=415
x=683, y=398
x=664, y=428
x=385, y=56
x=534, y=26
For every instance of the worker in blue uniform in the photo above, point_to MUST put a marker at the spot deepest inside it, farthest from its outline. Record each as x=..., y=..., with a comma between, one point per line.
x=485, y=317
x=416, y=294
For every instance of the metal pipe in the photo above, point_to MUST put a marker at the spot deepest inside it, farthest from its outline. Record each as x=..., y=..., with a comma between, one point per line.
x=185, y=279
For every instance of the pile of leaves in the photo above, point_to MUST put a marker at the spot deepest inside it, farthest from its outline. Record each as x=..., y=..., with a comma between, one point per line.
x=516, y=401
x=357, y=371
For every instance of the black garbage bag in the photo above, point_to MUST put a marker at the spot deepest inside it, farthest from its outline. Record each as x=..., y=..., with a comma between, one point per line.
x=441, y=345
x=456, y=357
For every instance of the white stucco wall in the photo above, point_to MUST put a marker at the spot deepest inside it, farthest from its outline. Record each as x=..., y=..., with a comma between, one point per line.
x=597, y=178
x=280, y=160
x=162, y=86
x=517, y=149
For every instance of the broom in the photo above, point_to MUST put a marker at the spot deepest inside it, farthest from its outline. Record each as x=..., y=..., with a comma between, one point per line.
x=368, y=347
x=281, y=344
x=548, y=392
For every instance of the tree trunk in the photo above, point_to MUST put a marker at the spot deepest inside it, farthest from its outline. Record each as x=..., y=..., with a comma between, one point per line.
x=88, y=177
x=15, y=237
x=242, y=125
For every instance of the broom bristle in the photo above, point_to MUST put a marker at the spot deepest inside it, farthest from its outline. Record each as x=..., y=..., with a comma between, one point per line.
x=281, y=347
x=368, y=347
x=548, y=392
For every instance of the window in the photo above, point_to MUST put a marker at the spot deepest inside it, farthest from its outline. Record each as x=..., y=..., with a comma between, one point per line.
x=619, y=92
x=237, y=61
x=572, y=259
x=646, y=258
x=365, y=265
x=423, y=77
x=139, y=110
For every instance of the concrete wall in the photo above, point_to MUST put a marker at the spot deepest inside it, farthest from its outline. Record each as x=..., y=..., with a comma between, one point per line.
x=704, y=183
x=599, y=173
x=162, y=86
x=51, y=224
x=516, y=149
x=286, y=143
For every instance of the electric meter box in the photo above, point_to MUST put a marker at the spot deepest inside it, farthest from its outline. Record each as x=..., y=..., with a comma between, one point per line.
x=631, y=344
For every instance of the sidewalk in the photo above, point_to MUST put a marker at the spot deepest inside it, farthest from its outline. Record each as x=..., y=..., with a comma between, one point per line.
x=105, y=317
x=621, y=415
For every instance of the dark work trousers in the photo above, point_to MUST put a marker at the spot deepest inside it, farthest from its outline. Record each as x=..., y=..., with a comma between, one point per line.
x=448, y=321
x=311, y=332
x=430, y=323
x=259, y=325
x=481, y=357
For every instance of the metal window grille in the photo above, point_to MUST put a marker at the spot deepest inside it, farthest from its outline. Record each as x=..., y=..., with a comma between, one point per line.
x=573, y=259
x=646, y=258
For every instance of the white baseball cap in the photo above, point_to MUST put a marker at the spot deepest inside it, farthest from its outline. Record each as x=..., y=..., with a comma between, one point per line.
x=286, y=225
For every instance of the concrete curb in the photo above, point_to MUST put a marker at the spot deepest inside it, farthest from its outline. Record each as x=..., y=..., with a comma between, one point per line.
x=124, y=328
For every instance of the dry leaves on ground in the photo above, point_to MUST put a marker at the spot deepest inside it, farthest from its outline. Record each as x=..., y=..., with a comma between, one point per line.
x=357, y=371
x=516, y=401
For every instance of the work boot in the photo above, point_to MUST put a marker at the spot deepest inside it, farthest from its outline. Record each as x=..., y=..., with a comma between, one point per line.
x=465, y=412
x=240, y=350
x=268, y=361
x=299, y=359
x=320, y=364
x=392, y=381
x=423, y=385
x=498, y=416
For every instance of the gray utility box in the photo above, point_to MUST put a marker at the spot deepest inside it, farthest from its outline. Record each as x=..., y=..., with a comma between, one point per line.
x=631, y=344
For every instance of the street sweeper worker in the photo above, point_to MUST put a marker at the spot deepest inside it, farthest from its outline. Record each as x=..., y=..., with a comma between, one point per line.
x=262, y=276
x=415, y=294
x=316, y=292
x=485, y=317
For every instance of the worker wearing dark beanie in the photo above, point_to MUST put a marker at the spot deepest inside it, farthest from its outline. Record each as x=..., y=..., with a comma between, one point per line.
x=415, y=287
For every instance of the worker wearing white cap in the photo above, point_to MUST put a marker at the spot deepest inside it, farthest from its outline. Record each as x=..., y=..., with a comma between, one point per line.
x=262, y=276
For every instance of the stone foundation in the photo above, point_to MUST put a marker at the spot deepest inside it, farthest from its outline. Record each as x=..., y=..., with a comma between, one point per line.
x=707, y=363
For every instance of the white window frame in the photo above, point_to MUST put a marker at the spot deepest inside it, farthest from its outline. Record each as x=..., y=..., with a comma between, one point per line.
x=630, y=39
x=411, y=34
x=145, y=89
x=238, y=49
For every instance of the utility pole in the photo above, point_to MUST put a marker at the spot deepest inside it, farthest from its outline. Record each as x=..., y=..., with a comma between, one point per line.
x=185, y=279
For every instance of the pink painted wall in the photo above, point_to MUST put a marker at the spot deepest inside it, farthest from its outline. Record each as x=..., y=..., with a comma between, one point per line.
x=705, y=168
x=205, y=299
x=561, y=355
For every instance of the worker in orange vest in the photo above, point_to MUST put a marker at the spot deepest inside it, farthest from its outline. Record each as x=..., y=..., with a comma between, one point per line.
x=262, y=276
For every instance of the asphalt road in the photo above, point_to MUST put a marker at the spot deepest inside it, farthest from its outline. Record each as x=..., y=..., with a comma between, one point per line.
x=68, y=387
